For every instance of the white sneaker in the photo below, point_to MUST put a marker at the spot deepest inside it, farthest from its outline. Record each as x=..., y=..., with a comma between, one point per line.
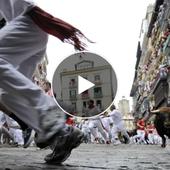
x=64, y=145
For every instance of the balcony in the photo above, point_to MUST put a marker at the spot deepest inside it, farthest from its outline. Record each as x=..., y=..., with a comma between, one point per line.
x=85, y=96
x=73, y=97
x=166, y=48
x=97, y=82
x=98, y=95
x=72, y=86
x=159, y=78
x=160, y=93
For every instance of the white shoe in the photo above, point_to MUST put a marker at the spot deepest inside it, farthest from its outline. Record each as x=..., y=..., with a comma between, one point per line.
x=64, y=145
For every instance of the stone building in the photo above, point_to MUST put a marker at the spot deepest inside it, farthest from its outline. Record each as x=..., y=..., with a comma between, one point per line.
x=123, y=106
x=100, y=73
x=150, y=87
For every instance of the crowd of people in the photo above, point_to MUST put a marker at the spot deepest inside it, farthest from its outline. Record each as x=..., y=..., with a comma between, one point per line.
x=10, y=131
x=105, y=128
x=109, y=128
x=146, y=133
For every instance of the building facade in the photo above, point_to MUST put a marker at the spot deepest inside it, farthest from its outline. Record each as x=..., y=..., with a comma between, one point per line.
x=150, y=87
x=102, y=93
x=124, y=107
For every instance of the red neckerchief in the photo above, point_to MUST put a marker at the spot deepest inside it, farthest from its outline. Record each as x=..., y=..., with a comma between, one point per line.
x=58, y=28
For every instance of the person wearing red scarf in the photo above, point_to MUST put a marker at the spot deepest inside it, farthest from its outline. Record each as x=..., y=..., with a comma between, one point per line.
x=141, y=130
x=70, y=121
x=23, y=42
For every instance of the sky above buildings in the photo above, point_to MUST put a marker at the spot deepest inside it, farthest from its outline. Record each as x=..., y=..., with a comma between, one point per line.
x=113, y=25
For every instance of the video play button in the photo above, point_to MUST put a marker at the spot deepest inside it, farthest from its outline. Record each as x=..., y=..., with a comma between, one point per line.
x=84, y=84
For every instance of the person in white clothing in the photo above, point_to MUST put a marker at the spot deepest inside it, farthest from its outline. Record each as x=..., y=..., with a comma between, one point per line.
x=84, y=126
x=14, y=130
x=23, y=42
x=5, y=135
x=107, y=123
x=28, y=133
x=118, y=127
x=95, y=123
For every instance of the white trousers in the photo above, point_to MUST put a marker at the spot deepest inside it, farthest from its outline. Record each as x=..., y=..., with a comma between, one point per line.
x=106, y=124
x=119, y=128
x=17, y=135
x=97, y=124
x=140, y=135
x=22, y=46
x=151, y=138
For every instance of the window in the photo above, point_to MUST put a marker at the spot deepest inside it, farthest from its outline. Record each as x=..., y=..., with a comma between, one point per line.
x=72, y=94
x=97, y=77
x=99, y=104
x=84, y=104
x=72, y=82
x=74, y=106
x=98, y=92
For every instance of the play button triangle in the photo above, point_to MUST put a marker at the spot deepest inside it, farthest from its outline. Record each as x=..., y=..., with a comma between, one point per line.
x=84, y=84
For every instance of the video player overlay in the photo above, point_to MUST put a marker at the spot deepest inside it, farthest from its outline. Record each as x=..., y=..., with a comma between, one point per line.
x=84, y=84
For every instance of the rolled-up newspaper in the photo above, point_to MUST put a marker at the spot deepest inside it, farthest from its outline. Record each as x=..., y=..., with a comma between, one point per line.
x=155, y=111
x=162, y=110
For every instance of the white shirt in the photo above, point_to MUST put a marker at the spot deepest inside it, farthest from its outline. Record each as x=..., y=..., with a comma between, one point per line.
x=10, y=9
x=116, y=116
x=92, y=112
x=2, y=118
x=11, y=122
x=85, y=124
x=106, y=121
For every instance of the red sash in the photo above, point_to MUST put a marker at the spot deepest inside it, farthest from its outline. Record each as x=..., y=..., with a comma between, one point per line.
x=58, y=28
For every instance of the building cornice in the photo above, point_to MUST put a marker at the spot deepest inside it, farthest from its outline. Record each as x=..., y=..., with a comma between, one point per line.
x=99, y=68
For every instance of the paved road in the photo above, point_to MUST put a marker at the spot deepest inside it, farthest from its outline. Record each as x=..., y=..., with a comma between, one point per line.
x=90, y=157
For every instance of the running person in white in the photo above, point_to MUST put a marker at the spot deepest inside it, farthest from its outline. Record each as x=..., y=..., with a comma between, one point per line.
x=118, y=124
x=95, y=123
x=22, y=45
x=84, y=126
x=107, y=123
x=14, y=130
x=28, y=133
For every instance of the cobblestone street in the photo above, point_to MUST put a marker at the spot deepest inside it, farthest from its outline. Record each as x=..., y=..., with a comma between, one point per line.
x=90, y=156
